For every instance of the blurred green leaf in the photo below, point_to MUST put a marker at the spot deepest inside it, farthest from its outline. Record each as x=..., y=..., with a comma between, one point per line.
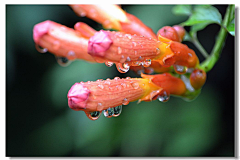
x=231, y=27
x=182, y=10
x=187, y=37
x=204, y=14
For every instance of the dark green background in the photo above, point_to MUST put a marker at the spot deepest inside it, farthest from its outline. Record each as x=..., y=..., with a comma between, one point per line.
x=40, y=123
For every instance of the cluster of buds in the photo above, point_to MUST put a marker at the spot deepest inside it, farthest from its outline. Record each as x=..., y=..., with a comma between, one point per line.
x=132, y=46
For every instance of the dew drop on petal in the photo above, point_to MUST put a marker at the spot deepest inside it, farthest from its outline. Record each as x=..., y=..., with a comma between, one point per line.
x=135, y=52
x=135, y=85
x=83, y=14
x=71, y=55
x=109, y=64
x=93, y=115
x=180, y=69
x=56, y=45
x=164, y=96
x=158, y=51
x=122, y=60
x=134, y=44
x=101, y=86
x=99, y=106
x=117, y=111
x=125, y=101
x=128, y=59
x=128, y=77
x=147, y=63
x=140, y=58
x=122, y=67
x=40, y=49
x=116, y=78
x=108, y=112
x=63, y=61
x=119, y=50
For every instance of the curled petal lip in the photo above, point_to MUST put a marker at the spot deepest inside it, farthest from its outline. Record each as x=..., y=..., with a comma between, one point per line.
x=99, y=43
x=40, y=29
x=77, y=96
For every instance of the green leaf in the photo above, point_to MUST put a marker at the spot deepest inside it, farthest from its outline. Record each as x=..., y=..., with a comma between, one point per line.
x=231, y=27
x=182, y=10
x=204, y=14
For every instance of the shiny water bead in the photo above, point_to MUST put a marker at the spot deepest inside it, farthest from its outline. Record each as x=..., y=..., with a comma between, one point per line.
x=108, y=112
x=180, y=69
x=125, y=101
x=40, y=49
x=109, y=64
x=147, y=63
x=119, y=50
x=101, y=86
x=135, y=85
x=116, y=78
x=63, y=61
x=93, y=115
x=164, y=96
x=117, y=111
x=122, y=67
x=71, y=55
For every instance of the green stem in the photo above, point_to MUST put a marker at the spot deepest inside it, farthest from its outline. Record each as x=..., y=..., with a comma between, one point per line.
x=199, y=46
x=208, y=64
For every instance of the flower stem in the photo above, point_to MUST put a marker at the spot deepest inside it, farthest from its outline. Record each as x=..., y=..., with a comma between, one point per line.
x=208, y=64
x=199, y=46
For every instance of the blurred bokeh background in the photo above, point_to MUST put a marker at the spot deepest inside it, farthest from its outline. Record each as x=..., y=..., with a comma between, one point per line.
x=40, y=123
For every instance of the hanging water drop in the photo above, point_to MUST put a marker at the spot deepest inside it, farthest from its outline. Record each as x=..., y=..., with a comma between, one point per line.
x=123, y=59
x=164, y=96
x=109, y=64
x=128, y=59
x=63, y=61
x=40, y=49
x=93, y=115
x=71, y=55
x=180, y=69
x=122, y=67
x=117, y=111
x=125, y=101
x=147, y=63
x=108, y=112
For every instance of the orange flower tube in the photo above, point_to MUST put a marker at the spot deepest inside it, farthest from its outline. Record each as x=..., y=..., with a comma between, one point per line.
x=61, y=40
x=106, y=95
x=113, y=17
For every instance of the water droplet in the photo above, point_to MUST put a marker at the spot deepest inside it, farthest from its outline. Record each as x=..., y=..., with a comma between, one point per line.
x=135, y=85
x=164, y=96
x=128, y=36
x=140, y=58
x=134, y=44
x=99, y=106
x=158, y=51
x=71, y=55
x=109, y=64
x=136, y=63
x=128, y=77
x=93, y=115
x=125, y=101
x=56, y=45
x=40, y=49
x=123, y=84
x=119, y=50
x=190, y=55
x=99, y=80
x=108, y=112
x=116, y=78
x=147, y=63
x=180, y=69
x=83, y=14
x=63, y=61
x=117, y=111
x=122, y=60
x=128, y=59
x=135, y=52
x=122, y=67
x=101, y=86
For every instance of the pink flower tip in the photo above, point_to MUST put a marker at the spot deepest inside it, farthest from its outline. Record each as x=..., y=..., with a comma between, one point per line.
x=40, y=29
x=99, y=43
x=77, y=96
